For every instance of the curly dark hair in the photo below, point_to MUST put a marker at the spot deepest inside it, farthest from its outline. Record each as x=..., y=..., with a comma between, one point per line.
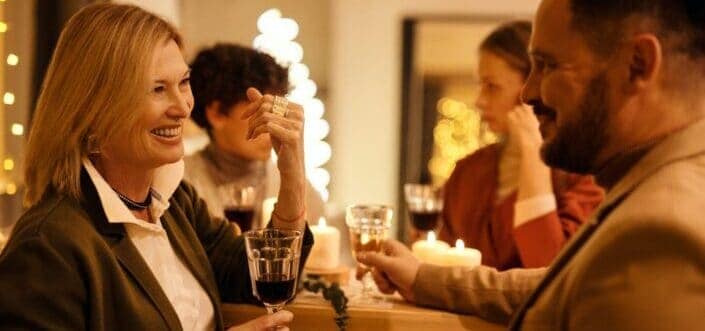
x=224, y=72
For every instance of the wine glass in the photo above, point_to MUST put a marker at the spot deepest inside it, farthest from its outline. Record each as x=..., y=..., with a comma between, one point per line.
x=239, y=204
x=273, y=260
x=369, y=227
x=424, y=203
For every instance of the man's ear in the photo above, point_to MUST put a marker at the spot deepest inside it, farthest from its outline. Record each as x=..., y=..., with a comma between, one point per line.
x=645, y=60
x=214, y=116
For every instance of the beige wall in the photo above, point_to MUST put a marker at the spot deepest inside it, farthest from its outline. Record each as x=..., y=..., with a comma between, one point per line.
x=205, y=22
x=365, y=80
x=167, y=9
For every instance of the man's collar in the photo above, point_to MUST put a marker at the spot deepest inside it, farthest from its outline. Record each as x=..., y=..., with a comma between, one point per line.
x=615, y=168
x=677, y=146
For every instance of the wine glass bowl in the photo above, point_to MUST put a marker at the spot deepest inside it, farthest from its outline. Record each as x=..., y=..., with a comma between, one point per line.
x=368, y=226
x=424, y=204
x=273, y=259
x=366, y=239
x=239, y=204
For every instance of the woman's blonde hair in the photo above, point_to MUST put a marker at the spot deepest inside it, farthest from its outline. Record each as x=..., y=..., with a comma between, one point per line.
x=97, y=76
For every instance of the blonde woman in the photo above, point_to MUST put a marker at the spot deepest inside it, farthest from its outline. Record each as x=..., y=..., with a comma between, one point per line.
x=113, y=240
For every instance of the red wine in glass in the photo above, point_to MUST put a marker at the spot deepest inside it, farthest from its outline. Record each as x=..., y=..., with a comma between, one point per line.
x=275, y=289
x=242, y=216
x=425, y=220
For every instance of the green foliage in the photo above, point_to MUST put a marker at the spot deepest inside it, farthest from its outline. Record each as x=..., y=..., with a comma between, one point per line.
x=333, y=293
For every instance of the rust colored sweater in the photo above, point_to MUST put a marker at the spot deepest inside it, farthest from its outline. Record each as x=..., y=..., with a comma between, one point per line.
x=471, y=213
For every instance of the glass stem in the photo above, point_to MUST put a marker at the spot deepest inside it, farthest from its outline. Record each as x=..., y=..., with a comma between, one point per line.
x=271, y=309
x=367, y=285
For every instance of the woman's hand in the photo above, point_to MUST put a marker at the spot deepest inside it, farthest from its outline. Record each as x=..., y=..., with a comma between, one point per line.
x=534, y=174
x=286, y=131
x=278, y=320
x=523, y=127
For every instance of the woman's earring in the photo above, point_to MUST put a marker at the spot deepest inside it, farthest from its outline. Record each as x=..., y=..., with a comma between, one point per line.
x=93, y=146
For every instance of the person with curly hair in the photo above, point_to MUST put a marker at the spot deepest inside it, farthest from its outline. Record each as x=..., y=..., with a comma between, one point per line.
x=220, y=76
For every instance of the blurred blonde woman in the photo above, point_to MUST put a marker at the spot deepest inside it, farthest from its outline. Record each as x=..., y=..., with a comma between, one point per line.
x=113, y=240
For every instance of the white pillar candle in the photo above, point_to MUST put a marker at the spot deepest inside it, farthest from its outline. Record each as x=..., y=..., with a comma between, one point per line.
x=267, y=209
x=461, y=256
x=429, y=250
x=325, y=253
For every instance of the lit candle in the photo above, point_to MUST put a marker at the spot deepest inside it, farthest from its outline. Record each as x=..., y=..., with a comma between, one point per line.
x=461, y=256
x=429, y=250
x=325, y=253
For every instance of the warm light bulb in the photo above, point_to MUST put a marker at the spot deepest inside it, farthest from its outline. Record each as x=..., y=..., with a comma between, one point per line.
x=8, y=98
x=3, y=27
x=319, y=177
x=8, y=164
x=292, y=52
x=11, y=189
x=13, y=59
x=17, y=129
x=268, y=21
x=319, y=154
x=288, y=29
x=313, y=109
x=305, y=90
x=298, y=72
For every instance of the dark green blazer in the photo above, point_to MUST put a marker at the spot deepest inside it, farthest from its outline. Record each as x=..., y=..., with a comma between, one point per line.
x=66, y=268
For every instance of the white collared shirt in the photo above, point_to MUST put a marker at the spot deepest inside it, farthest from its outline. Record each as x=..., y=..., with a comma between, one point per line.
x=186, y=295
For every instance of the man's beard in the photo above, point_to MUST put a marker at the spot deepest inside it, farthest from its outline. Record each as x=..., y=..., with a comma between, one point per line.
x=579, y=139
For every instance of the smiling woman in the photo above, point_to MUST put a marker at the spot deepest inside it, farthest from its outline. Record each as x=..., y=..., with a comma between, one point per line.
x=166, y=102
x=113, y=239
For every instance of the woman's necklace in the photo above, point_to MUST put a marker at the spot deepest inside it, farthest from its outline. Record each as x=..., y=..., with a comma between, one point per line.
x=136, y=205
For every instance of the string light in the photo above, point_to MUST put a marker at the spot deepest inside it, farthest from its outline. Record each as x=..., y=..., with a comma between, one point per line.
x=13, y=59
x=276, y=38
x=7, y=186
x=11, y=189
x=8, y=98
x=8, y=164
x=17, y=129
x=457, y=134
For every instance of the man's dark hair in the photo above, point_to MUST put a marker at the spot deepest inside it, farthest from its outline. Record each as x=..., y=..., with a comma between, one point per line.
x=678, y=23
x=223, y=73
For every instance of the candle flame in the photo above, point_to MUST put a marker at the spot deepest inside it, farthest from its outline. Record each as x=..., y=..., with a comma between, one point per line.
x=321, y=222
x=431, y=236
x=459, y=244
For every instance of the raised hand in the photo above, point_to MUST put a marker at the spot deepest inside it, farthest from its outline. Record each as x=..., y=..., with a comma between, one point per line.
x=284, y=122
